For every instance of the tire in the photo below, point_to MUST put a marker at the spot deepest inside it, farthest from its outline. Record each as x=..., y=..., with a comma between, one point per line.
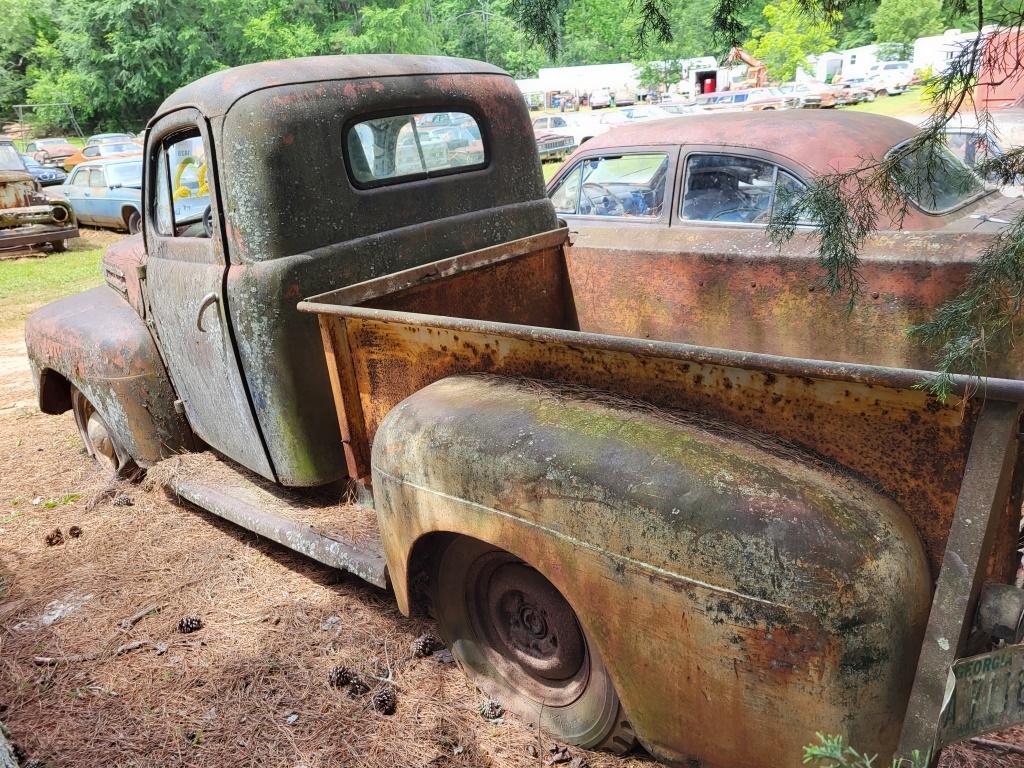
x=99, y=441
x=134, y=222
x=519, y=641
x=59, y=246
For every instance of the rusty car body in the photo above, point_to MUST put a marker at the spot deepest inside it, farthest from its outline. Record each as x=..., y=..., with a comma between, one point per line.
x=739, y=290
x=27, y=216
x=623, y=536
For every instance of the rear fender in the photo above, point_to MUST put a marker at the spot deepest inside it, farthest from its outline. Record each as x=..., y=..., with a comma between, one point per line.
x=96, y=342
x=741, y=599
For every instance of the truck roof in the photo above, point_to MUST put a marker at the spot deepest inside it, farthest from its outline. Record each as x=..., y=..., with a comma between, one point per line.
x=214, y=94
x=821, y=141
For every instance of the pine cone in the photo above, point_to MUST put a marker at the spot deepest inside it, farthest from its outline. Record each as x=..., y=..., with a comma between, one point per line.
x=425, y=645
x=124, y=500
x=357, y=687
x=339, y=677
x=190, y=624
x=74, y=531
x=491, y=710
x=54, y=537
x=385, y=701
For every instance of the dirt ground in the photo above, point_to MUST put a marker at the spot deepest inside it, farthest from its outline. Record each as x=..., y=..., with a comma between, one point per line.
x=251, y=687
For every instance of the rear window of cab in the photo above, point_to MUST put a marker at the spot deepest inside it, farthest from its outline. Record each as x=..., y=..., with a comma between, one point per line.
x=406, y=147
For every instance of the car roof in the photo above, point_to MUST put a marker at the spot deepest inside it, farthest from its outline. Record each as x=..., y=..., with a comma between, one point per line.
x=214, y=94
x=101, y=164
x=818, y=140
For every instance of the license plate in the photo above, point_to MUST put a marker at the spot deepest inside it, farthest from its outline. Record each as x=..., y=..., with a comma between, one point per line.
x=983, y=693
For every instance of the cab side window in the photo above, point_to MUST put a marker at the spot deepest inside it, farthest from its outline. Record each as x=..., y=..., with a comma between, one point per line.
x=732, y=189
x=627, y=186
x=182, y=194
x=96, y=178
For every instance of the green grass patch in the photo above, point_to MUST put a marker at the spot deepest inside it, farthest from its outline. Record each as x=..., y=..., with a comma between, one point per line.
x=913, y=102
x=28, y=283
x=550, y=169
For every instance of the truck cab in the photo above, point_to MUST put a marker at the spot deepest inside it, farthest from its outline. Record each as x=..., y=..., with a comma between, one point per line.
x=263, y=185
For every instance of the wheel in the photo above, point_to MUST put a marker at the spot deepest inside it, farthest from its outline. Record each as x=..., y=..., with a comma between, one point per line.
x=208, y=221
x=99, y=441
x=518, y=639
x=59, y=246
x=134, y=222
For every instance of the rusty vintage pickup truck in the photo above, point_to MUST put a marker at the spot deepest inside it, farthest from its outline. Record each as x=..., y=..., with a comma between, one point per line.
x=388, y=355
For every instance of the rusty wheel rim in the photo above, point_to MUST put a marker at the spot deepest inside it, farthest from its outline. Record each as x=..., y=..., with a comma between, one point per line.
x=101, y=442
x=531, y=634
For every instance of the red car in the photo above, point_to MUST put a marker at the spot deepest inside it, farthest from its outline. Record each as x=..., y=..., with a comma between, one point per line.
x=50, y=151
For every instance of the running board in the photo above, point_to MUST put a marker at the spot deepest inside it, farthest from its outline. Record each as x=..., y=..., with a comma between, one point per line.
x=317, y=524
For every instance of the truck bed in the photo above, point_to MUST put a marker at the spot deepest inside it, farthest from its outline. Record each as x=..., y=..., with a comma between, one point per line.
x=517, y=310
x=532, y=309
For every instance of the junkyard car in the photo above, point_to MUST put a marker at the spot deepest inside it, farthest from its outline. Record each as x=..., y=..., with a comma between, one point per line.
x=96, y=151
x=109, y=138
x=810, y=95
x=27, y=217
x=51, y=151
x=579, y=127
x=622, y=536
x=108, y=193
x=46, y=175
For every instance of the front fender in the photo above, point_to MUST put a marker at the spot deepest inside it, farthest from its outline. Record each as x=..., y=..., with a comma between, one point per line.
x=742, y=599
x=96, y=342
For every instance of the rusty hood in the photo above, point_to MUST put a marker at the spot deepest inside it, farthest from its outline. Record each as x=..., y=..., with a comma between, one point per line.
x=17, y=189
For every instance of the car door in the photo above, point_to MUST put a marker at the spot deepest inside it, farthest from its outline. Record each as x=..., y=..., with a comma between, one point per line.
x=103, y=211
x=185, y=281
x=74, y=190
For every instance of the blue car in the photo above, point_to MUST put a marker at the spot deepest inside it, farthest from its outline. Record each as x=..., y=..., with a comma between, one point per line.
x=108, y=193
x=45, y=175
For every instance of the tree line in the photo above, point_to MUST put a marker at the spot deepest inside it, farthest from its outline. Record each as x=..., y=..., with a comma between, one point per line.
x=114, y=61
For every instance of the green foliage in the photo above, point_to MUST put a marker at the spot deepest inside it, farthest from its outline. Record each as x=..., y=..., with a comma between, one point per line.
x=790, y=37
x=901, y=22
x=833, y=752
x=660, y=73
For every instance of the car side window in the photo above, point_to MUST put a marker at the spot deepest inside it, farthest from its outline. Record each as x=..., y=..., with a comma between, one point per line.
x=540, y=122
x=626, y=186
x=557, y=122
x=733, y=189
x=182, y=194
x=96, y=178
x=80, y=177
x=565, y=195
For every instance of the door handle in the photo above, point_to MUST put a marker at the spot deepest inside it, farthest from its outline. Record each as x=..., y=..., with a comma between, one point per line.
x=208, y=300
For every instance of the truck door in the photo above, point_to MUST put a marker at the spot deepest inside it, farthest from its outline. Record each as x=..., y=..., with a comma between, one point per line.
x=185, y=275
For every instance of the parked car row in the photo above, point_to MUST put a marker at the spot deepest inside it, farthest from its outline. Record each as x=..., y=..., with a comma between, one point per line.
x=61, y=153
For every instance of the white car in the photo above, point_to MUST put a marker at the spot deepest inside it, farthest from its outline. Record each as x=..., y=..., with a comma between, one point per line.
x=580, y=127
x=895, y=76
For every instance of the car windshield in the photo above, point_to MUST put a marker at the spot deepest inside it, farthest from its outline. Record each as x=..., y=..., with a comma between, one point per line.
x=44, y=142
x=10, y=160
x=125, y=174
x=30, y=162
x=937, y=182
